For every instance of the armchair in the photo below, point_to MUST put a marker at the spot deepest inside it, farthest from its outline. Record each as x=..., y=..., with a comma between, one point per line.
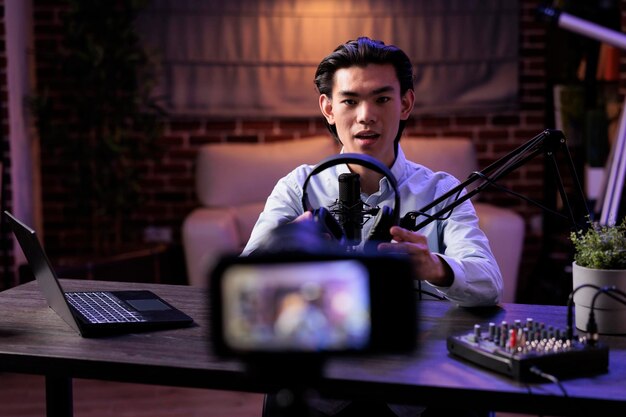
x=233, y=181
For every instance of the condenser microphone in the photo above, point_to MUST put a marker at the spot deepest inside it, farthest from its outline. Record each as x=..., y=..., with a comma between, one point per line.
x=350, y=207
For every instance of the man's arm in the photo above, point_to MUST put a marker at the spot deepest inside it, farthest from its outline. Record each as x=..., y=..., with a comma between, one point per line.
x=463, y=269
x=282, y=206
x=428, y=266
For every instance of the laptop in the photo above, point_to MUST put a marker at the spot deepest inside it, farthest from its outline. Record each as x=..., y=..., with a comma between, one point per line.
x=95, y=313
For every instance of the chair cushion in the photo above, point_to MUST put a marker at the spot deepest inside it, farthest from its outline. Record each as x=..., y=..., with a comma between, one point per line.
x=456, y=156
x=231, y=174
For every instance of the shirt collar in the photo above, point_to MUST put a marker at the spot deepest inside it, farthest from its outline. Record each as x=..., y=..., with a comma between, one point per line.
x=398, y=167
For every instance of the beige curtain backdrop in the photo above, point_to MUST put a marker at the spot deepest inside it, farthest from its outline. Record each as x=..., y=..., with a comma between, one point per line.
x=258, y=57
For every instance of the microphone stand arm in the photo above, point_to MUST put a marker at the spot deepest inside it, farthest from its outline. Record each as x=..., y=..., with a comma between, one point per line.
x=547, y=142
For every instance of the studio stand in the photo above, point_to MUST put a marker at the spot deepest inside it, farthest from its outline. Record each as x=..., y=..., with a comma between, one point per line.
x=294, y=378
x=549, y=144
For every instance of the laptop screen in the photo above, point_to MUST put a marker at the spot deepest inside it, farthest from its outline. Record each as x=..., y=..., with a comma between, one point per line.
x=42, y=269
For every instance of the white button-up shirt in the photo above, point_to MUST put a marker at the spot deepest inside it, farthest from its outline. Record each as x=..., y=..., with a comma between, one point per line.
x=456, y=238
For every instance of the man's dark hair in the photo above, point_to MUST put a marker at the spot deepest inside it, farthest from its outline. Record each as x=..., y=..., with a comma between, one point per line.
x=360, y=53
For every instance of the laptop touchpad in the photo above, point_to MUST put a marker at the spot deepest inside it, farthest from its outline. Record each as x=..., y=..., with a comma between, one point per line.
x=148, y=305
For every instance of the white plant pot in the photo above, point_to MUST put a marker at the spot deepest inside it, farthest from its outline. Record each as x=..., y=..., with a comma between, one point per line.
x=610, y=314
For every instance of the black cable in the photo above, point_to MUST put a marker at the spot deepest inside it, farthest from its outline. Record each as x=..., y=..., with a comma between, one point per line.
x=535, y=370
x=592, y=326
x=570, y=304
x=592, y=329
x=432, y=294
x=609, y=290
x=420, y=292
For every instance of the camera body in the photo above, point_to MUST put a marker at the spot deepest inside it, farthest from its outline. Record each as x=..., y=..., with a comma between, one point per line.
x=312, y=305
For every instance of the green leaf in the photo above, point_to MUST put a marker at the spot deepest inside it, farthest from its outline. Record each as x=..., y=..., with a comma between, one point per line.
x=601, y=247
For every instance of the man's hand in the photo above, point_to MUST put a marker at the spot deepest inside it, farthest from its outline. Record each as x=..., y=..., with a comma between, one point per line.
x=428, y=266
x=307, y=215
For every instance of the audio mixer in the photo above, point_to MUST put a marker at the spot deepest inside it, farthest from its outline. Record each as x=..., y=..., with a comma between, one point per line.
x=523, y=350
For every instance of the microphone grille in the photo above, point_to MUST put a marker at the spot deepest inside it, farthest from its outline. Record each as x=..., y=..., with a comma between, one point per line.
x=349, y=187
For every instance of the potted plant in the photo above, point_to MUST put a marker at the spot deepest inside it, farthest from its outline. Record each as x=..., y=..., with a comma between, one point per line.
x=105, y=123
x=600, y=261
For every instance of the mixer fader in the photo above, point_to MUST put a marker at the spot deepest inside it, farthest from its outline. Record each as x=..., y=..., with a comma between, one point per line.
x=523, y=350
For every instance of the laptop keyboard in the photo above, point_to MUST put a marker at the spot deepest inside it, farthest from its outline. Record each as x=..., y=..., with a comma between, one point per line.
x=102, y=307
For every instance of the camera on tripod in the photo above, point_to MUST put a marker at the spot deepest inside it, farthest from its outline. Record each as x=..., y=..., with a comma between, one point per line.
x=295, y=304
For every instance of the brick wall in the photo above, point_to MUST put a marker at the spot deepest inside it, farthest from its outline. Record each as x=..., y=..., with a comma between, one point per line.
x=168, y=185
x=494, y=133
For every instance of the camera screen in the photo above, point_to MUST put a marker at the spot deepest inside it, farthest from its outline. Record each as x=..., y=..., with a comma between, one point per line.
x=315, y=306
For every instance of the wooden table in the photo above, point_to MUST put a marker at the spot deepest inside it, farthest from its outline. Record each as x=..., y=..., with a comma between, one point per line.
x=33, y=339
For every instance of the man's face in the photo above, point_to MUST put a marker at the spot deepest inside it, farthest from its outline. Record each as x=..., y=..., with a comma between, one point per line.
x=366, y=107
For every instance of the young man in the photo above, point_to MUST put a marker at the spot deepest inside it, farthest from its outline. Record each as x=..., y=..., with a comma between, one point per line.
x=366, y=96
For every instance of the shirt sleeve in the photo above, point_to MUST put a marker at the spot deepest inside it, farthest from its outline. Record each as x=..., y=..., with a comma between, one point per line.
x=282, y=206
x=477, y=277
